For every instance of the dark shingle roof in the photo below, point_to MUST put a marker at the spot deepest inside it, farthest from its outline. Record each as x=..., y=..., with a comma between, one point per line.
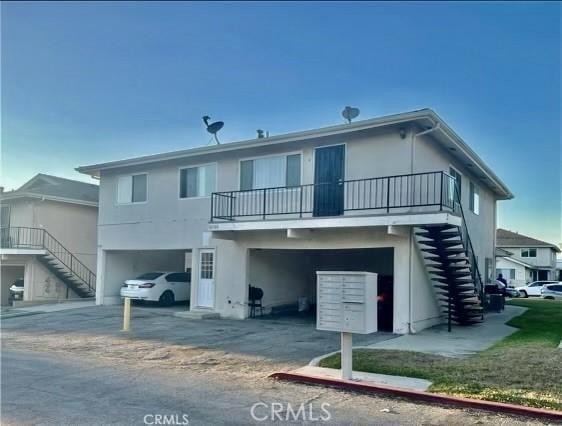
x=54, y=186
x=505, y=238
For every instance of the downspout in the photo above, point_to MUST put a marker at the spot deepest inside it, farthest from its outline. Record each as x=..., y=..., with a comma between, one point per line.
x=435, y=126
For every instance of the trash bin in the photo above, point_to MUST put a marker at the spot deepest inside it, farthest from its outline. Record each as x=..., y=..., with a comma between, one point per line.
x=495, y=302
x=303, y=304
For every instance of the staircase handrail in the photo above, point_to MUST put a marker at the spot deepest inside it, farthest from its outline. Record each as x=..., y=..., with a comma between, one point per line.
x=470, y=248
x=55, y=248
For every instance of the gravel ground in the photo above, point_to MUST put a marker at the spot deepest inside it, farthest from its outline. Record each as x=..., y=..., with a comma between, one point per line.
x=76, y=367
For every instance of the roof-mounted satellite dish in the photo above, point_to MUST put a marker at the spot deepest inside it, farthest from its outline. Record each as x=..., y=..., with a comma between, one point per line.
x=213, y=128
x=349, y=113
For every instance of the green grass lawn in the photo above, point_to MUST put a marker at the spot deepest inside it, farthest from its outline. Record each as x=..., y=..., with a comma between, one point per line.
x=524, y=368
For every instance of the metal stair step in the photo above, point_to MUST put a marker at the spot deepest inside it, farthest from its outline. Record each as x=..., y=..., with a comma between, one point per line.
x=450, y=268
x=451, y=274
x=455, y=281
x=442, y=244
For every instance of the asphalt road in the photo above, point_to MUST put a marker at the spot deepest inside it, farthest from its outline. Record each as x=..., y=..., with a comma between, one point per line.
x=56, y=388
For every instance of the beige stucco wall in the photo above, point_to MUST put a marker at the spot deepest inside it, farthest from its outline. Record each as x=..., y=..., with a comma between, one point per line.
x=73, y=225
x=22, y=212
x=167, y=222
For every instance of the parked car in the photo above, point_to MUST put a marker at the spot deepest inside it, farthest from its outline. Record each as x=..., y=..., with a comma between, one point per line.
x=552, y=291
x=512, y=291
x=163, y=287
x=534, y=288
x=16, y=290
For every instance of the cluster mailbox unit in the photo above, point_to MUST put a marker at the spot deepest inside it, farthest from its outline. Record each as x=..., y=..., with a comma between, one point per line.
x=347, y=302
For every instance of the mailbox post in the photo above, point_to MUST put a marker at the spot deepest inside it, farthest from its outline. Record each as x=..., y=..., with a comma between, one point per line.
x=347, y=302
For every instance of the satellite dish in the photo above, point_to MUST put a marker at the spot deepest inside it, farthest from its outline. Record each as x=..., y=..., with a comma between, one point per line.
x=349, y=113
x=213, y=128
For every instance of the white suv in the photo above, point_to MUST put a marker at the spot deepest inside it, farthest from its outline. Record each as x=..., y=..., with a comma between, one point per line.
x=534, y=288
x=163, y=287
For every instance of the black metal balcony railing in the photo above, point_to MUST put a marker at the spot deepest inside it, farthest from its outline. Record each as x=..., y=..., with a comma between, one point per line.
x=20, y=237
x=426, y=191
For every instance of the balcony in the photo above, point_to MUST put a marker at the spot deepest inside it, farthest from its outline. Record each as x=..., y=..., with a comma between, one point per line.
x=412, y=194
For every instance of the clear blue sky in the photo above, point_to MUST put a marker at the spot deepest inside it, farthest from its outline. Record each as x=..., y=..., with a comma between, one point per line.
x=90, y=82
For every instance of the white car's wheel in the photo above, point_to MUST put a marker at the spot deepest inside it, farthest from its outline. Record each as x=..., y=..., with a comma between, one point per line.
x=523, y=293
x=167, y=298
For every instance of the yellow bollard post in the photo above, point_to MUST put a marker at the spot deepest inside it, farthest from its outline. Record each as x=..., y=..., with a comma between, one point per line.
x=126, y=314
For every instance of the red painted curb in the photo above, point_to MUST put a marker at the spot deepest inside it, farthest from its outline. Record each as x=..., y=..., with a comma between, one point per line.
x=499, y=407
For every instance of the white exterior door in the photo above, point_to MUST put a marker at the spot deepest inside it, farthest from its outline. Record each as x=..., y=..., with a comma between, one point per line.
x=206, y=288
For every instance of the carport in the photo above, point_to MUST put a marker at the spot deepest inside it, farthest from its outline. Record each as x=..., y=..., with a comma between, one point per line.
x=287, y=275
x=121, y=265
x=9, y=274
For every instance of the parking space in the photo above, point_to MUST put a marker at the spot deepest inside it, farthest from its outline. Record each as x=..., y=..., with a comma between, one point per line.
x=288, y=279
x=11, y=275
x=95, y=331
x=122, y=265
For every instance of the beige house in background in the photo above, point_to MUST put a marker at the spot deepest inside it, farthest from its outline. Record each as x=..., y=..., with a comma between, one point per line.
x=402, y=196
x=525, y=259
x=48, y=237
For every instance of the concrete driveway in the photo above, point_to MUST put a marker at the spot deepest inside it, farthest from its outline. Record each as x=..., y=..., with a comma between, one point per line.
x=282, y=341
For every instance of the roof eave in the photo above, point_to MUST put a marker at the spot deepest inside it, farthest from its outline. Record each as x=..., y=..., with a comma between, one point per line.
x=504, y=192
x=498, y=186
x=530, y=245
x=252, y=143
x=48, y=197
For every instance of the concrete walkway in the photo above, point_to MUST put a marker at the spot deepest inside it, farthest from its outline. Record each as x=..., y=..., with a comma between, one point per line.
x=461, y=341
x=360, y=376
x=54, y=307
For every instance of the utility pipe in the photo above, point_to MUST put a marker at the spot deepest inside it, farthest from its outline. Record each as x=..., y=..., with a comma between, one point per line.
x=435, y=126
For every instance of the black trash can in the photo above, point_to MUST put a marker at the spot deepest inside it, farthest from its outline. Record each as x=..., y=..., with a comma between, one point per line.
x=495, y=302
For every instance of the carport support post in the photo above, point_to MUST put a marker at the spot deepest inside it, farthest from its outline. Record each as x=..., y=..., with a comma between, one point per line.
x=346, y=355
x=126, y=314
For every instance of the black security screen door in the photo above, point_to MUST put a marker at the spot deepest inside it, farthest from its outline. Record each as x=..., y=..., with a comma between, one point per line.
x=329, y=171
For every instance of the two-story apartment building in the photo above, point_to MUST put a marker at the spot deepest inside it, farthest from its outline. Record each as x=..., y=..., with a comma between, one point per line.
x=48, y=238
x=403, y=196
x=528, y=259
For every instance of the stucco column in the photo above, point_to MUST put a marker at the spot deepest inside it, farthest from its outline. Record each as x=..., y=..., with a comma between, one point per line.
x=100, y=276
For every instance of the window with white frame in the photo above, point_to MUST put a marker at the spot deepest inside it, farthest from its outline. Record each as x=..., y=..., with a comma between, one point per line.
x=270, y=172
x=474, y=202
x=529, y=252
x=132, y=188
x=198, y=181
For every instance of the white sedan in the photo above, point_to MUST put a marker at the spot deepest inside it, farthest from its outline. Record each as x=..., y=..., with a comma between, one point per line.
x=163, y=287
x=534, y=288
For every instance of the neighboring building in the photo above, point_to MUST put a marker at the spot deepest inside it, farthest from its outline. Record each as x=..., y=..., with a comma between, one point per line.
x=559, y=269
x=270, y=212
x=525, y=259
x=48, y=237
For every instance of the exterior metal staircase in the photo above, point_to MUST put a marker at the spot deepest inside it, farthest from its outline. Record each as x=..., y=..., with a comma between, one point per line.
x=57, y=258
x=453, y=268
